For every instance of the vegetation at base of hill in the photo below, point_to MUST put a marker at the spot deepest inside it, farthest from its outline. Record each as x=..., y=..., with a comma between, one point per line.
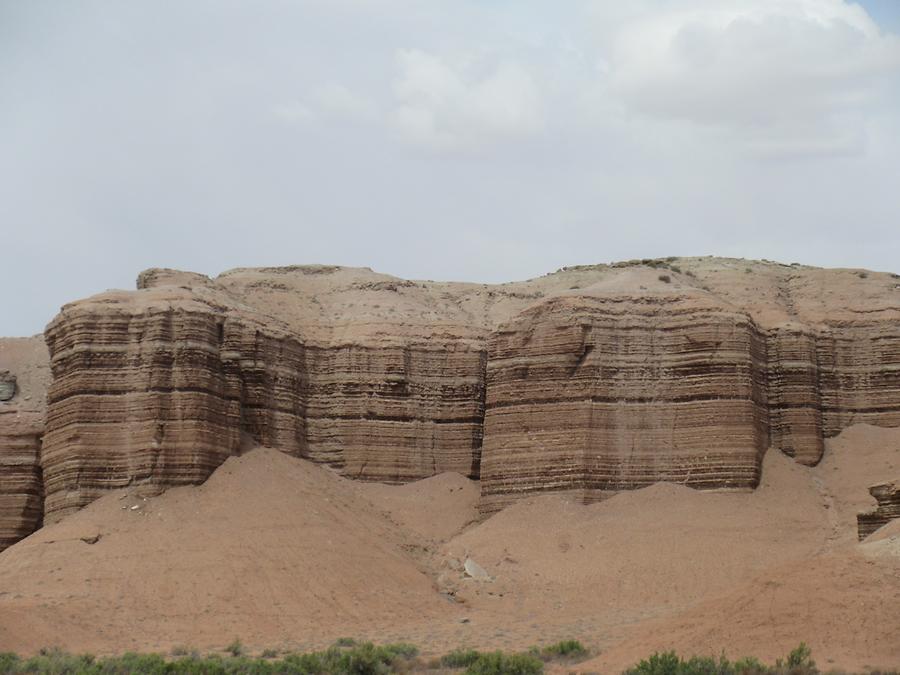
x=798, y=662
x=349, y=657
x=345, y=657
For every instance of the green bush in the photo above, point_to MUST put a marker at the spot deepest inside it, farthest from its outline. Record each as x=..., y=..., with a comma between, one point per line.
x=236, y=648
x=798, y=662
x=567, y=649
x=801, y=657
x=460, y=658
x=8, y=662
x=498, y=663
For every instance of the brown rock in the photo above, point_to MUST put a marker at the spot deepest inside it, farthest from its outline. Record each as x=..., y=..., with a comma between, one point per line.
x=21, y=490
x=888, y=497
x=595, y=378
x=612, y=391
x=7, y=385
x=26, y=363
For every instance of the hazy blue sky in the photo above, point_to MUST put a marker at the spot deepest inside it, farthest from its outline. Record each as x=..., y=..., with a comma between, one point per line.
x=441, y=139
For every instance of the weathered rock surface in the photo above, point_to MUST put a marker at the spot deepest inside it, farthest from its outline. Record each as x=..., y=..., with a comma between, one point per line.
x=888, y=497
x=21, y=488
x=25, y=363
x=615, y=391
x=688, y=380
x=593, y=379
x=7, y=385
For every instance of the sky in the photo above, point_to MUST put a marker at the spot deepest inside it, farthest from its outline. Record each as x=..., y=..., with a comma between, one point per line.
x=475, y=140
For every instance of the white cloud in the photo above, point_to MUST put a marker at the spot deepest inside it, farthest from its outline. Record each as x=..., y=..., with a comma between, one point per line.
x=447, y=107
x=767, y=69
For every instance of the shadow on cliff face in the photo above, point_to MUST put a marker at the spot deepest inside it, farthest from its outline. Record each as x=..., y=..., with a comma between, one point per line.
x=284, y=553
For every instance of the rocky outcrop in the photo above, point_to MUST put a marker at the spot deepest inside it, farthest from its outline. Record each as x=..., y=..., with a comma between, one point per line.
x=156, y=388
x=7, y=385
x=593, y=379
x=21, y=485
x=138, y=398
x=795, y=394
x=610, y=391
x=888, y=497
x=25, y=372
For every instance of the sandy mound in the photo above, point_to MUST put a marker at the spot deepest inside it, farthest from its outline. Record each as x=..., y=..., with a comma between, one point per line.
x=271, y=549
x=283, y=553
x=435, y=508
x=843, y=602
x=861, y=456
x=638, y=554
x=846, y=607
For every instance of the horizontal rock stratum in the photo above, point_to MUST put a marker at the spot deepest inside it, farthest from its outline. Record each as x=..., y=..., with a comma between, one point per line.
x=592, y=379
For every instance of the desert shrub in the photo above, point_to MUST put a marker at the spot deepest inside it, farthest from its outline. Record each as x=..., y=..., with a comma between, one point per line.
x=236, y=648
x=667, y=663
x=345, y=642
x=665, y=278
x=401, y=650
x=146, y=664
x=269, y=653
x=567, y=649
x=460, y=658
x=798, y=662
x=498, y=663
x=862, y=275
x=359, y=659
x=302, y=663
x=750, y=665
x=8, y=662
x=56, y=662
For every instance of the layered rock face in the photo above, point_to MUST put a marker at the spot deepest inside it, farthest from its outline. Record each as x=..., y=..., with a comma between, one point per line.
x=888, y=497
x=825, y=379
x=592, y=379
x=137, y=398
x=24, y=374
x=157, y=388
x=613, y=392
x=21, y=485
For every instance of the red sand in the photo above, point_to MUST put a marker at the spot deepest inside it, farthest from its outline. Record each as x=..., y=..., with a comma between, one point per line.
x=282, y=553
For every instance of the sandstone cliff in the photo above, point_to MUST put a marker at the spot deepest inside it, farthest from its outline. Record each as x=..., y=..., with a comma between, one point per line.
x=24, y=363
x=610, y=390
x=594, y=378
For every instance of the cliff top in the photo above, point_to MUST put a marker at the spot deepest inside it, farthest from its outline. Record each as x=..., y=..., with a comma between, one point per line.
x=334, y=302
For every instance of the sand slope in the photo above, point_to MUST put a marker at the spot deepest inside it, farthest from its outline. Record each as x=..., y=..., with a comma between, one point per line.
x=283, y=553
x=270, y=548
x=844, y=605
